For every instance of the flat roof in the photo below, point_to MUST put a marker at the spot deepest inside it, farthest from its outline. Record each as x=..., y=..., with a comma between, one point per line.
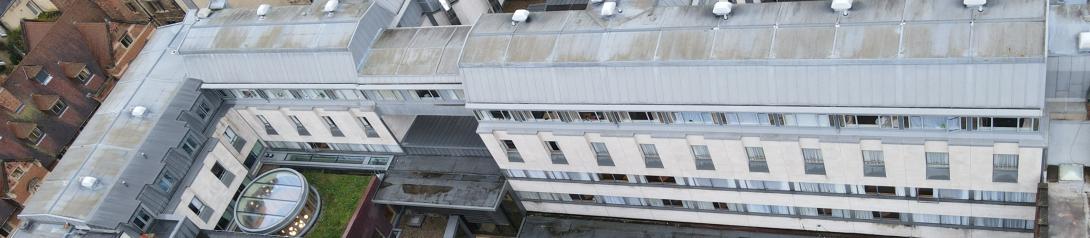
x=1065, y=22
x=443, y=132
x=564, y=227
x=442, y=182
x=642, y=33
x=282, y=28
x=416, y=51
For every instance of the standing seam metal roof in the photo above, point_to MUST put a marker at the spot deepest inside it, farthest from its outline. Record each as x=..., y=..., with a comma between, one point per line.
x=891, y=30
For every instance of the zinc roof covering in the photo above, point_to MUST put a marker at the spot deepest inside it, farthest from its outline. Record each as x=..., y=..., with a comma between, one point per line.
x=890, y=30
x=282, y=28
x=1065, y=24
x=416, y=51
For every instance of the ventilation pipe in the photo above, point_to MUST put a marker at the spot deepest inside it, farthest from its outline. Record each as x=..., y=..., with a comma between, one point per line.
x=609, y=8
x=263, y=10
x=723, y=9
x=520, y=16
x=978, y=4
x=330, y=7
x=841, y=6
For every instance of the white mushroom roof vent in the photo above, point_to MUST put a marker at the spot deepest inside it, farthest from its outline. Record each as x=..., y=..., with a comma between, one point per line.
x=263, y=10
x=722, y=8
x=330, y=6
x=139, y=111
x=520, y=15
x=841, y=6
x=88, y=182
x=609, y=8
x=978, y=4
x=1084, y=42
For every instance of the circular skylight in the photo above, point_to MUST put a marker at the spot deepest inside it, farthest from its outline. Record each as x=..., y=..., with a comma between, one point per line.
x=273, y=200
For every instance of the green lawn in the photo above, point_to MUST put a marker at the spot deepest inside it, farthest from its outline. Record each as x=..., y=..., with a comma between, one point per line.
x=340, y=194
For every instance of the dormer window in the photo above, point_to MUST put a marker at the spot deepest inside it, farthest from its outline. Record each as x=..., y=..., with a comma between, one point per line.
x=84, y=75
x=126, y=40
x=36, y=135
x=58, y=107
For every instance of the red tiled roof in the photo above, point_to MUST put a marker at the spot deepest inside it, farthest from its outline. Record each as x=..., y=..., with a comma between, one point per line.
x=71, y=70
x=22, y=129
x=9, y=101
x=97, y=36
x=35, y=31
x=44, y=102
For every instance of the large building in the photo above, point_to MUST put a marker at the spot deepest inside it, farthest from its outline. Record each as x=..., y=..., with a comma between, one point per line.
x=894, y=118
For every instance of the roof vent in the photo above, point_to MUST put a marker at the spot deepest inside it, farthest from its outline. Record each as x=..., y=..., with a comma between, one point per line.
x=609, y=8
x=263, y=10
x=88, y=182
x=204, y=13
x=596, y=1
x=520, y=16
x=330, y=6
x=722, y=8
x=978, y=4
x=1084, y=42
x=139, y=111
x=841, y=6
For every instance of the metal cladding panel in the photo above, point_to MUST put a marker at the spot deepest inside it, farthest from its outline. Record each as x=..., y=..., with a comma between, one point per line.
x=287, y=67
x=376, y=19
x=1068, y=77
x=999, y=85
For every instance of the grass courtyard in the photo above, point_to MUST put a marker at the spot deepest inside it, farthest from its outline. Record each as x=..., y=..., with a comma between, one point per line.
x=340, y=194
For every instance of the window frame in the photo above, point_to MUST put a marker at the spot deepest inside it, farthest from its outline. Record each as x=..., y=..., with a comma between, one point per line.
x=601, y=154
x=757, y=159
x=512, y=151
x=651, y=156
x=60, y=106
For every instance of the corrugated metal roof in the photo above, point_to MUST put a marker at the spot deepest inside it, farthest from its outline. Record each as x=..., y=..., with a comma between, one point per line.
x=443, y=132
x=894, y=30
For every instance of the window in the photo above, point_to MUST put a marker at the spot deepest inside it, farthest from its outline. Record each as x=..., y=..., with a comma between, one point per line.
x=757, y=161
x=880, y=190
x=874, y=165
x=886, y=215
x=202, y=110
x=58, y=107
x=17, y=173
x=236, y=141
x=332, y=125
x=196, y=205
x=660, y=179
x=126, y=40
x=581, y=197
x=806, y=120
x=166, y=183
x=33, y=185
x=725, y=206
x=143, y=219
x=927, y=193
x=299, y=128
x=545, y=115
x=1005, y=168
x=34, y=8
x=84, y=75
x=699, y=118
x=651, y=156
x=190, y=144
x=613, y=178
x=512, y=151
x=672, y=203
x=555, y=153
x=225, y=176
x=269, y=130
x=43, y=77
x=641, y=116
x=156, y=6
x=593, y=116
x=813, y=162
x=428, y=94
x=601, y=153
x=367, y=127
x=703, y=157
x=938, y=165
x=36, y=135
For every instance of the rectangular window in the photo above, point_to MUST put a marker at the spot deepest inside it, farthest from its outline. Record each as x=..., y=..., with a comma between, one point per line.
x=601, y=153
x=938, y=165
x=427, y=94
x=593, y=116
x=166, y=183
x=650, y=156
x=332, y=126
x=43, y=77
x=698, y=118
x=725, y=206
x=58, y=107
x=555, y=153
x=126, y=40
x=613, y=178
x=269, y=130
x=813, y=162
x=368, y=128
x=143, y=219
x=299, y=128
x=874, y=165
x=660, y=179
x=196, y=206
x=512, y=151
x=886, y=215
x=220, y=172
x=646, y=117
x=202, y=110
x=190, y=144
x=545, y=115
x=84, y=75
x=925, y=193
x=672, y=203
x=36, y=135
x=34, y=8
x=581, y=197
x=236, y=141
x=703, y=157
x=757, y=161
x=1005, y=168
x=807, y=120
x=880, y=190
